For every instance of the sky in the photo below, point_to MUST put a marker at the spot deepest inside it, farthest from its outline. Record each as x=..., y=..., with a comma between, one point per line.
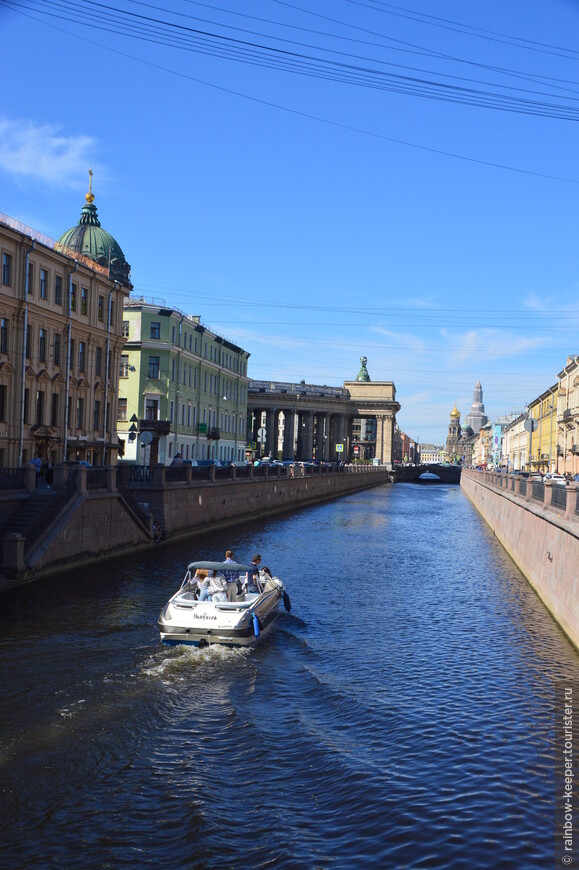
x=320, y=180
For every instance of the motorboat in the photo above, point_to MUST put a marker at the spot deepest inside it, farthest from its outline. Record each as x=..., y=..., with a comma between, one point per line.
x=239, y=621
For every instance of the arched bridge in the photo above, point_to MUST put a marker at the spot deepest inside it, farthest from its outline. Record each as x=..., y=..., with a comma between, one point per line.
x=412, y=473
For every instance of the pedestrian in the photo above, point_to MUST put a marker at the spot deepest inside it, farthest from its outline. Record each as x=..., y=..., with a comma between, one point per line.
x=177, y=459
x=49, y=473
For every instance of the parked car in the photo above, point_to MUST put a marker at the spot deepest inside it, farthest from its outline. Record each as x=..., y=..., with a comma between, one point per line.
x=192, y=462
x=556, y=478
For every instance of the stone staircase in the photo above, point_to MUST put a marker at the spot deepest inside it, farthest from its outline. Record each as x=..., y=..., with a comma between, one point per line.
x=27, y=515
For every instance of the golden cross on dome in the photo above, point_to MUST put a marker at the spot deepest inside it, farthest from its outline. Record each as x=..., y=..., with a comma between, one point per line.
x=90, y=196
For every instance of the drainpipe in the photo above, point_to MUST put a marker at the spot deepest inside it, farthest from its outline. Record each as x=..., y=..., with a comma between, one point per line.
x=67, y=382
x=107, y=374
x=23, y=369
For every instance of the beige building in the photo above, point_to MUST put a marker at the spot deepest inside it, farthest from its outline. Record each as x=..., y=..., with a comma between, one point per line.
x=61, y=308
x=568, y=418
x=515, y=446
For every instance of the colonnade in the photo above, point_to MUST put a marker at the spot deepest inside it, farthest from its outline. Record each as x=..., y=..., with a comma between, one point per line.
x=306, y=434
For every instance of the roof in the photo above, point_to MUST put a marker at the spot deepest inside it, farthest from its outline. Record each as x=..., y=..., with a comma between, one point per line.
x=90, y=240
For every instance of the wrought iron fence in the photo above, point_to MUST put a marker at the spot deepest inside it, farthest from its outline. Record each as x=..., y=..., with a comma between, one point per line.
x=12, y=478
x=559, y=496
x=538, y=490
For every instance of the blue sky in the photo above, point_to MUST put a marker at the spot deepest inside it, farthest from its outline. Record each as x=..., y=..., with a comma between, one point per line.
x=394, y=180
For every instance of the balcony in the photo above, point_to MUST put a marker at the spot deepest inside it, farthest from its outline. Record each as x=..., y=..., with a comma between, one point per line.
x=157, y=427
x=214, y=434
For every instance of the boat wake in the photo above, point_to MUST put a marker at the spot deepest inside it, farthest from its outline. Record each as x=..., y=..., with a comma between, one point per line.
x=177, y=663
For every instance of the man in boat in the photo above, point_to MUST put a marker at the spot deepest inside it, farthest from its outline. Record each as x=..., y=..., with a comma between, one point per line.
x=231, y=577
x=252, y=580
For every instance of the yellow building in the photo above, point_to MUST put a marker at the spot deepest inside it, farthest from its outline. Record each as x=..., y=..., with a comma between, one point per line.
x=543, y=440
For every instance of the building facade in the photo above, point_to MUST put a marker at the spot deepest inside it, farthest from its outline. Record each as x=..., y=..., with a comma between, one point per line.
x=543, y=438
x=322, y=423
x=568, y=418
x=516, y=444
x=182, y=388
x=60, y=345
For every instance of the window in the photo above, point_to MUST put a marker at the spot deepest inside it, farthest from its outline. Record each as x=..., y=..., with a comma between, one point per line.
x=43, y=284
x=153, y=371
x=125, y=329
x=42, y=345
x=84, y=301
x=96, y=422
x=54, y=410
x=101, y=308
x=26, y=405
x=80, y=413
x=172, y=411
x=98, y=360
x=82, y=356
x=7, y=270
x=30, y=284
x=56, y=349
x=2, y=403
x=39, y=408
x=3, y=335
x=151, y=409
x=57, y=290
x=72, y=352
x=124, y=370
x=28, y=338
x=155, y=330
x=122, y=409
x=173, y=364
x=112, y=317
x=73, y=290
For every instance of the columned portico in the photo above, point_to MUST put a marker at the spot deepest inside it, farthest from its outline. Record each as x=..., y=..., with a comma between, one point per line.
x=325, y=415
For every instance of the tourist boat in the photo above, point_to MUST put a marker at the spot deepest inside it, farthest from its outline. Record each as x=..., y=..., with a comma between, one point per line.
x=185, y=619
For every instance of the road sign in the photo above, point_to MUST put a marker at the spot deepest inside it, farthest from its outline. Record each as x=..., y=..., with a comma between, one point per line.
x=146, y=437
x=261, y=433
x=339, y=448
x=261, y=439
x=530, y=424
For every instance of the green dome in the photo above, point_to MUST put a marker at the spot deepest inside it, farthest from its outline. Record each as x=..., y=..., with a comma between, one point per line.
x=89, y=239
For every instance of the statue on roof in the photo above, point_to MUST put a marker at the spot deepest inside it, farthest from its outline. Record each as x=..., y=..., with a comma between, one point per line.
x=363, y=373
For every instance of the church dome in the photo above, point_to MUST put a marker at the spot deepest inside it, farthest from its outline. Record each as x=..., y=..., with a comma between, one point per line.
x=455, y=412
x=89, y=239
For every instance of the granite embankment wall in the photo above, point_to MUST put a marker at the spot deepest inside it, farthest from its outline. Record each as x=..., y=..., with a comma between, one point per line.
x=539, y=532
x=98, y=525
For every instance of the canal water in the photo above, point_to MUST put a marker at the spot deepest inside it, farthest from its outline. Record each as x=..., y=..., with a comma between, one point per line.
x=402, y=715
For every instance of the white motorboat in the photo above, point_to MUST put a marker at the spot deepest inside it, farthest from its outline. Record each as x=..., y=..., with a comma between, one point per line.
x=186, y=619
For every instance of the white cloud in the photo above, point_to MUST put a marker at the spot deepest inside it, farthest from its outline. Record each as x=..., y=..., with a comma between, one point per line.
x=483, y=345
x=41, y=151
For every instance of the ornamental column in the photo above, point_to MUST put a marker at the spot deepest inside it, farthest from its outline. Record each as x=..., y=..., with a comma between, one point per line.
x=289, y=433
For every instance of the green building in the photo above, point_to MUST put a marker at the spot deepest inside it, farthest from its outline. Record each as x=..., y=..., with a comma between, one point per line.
x=182, y=389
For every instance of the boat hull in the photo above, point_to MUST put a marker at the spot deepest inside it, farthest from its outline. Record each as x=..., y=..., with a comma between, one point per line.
x=185, y=620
